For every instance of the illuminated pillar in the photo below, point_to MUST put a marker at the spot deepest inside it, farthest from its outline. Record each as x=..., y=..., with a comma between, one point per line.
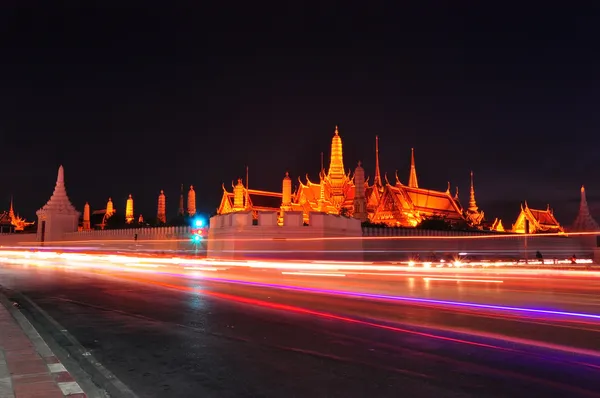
x=161, y=213
x=191, y=202
x=286, y=201
x=238, y=196
x=86, y=217
x=360, y=203
x=129, y=210
x=110, y=208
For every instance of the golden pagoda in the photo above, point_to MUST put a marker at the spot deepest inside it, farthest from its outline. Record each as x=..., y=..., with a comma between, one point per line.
x=191, y=202
x=336, y=193
x=161, y=212
x=129, y=210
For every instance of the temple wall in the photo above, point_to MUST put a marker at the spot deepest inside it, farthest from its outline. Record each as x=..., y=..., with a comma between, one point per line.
x=384, y=244
x=148, y=239
x=234, y=236
x=18, y=239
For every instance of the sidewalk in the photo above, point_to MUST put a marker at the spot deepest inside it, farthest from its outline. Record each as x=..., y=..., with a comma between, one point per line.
x=28, y=368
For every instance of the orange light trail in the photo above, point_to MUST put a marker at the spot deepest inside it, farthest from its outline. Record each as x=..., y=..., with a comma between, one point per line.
x=463, y=280
x=312, y=274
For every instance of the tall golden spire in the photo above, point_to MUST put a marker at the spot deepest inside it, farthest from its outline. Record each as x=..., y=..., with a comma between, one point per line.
x=336, y=164
x=129, y=210
x=11, y=211
x=161, y=213
x=412, y=178
x=472, y=202
x=191, y=202
x=110, y=208
x=239, y=192
x=377, y=180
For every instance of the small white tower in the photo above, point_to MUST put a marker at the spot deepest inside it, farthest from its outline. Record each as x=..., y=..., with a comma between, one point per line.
x=58, y=216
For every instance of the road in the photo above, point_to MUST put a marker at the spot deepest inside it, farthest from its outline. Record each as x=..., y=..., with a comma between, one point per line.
x=212, y=334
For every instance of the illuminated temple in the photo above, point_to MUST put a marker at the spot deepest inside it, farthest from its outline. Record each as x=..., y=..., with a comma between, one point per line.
x=12, y=222
x=335, y=192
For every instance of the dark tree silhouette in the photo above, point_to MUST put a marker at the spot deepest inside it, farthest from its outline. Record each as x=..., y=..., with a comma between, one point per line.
x=435, y=223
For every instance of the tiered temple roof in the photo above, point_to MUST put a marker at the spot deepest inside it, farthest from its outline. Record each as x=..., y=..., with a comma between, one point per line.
x=540, y=221
x=59, y=201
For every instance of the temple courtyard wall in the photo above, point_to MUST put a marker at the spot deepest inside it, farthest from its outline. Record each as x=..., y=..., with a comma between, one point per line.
x=158, y=239
x=330, y=237
x=327, y=237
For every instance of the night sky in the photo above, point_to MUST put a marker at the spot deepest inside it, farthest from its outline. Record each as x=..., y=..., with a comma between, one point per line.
x=137, y=100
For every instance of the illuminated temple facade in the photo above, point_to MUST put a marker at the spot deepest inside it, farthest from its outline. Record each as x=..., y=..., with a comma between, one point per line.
x=531, y=221
x=338, y=191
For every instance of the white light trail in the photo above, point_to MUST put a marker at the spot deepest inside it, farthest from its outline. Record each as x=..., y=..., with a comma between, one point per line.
x=463, y=280
x=312, y=274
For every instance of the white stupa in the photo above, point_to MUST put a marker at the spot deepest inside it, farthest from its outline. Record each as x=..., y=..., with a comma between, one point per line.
x=58, y=216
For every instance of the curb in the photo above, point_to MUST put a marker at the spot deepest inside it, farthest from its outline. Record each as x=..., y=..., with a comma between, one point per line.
x=63, y=379
x=97, y=381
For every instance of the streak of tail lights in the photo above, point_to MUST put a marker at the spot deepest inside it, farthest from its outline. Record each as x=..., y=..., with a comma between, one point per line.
x=312, y=274
x=404, y=330
x=177, y=267
x=463, y=280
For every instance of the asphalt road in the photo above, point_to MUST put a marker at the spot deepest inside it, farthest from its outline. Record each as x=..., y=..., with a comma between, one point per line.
x=168, y=336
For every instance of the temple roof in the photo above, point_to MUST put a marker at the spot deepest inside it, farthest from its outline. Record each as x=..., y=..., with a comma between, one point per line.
x=59, y=201
x=425, y=200
x=5, y=218
x=544, y=217
x=264, y=199
x=258, y=200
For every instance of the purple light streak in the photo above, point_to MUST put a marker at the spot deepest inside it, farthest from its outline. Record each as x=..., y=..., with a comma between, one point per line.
x=409, y=299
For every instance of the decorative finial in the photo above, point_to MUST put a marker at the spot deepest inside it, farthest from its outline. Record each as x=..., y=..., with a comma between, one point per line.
x=60, y=179
x=130, y=196
x=336, y=130
x=191, y=187
x=162, y=192
x=359, y=163
x=287, y=174
x=582, y=189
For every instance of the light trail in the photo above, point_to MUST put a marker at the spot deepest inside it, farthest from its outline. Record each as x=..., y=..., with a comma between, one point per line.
x=463, y=280
x=122, y=263
x=413, y=299
x=312, y=274
x=202, y=268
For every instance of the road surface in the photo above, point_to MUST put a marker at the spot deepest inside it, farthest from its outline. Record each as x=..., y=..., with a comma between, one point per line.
x=174, y=336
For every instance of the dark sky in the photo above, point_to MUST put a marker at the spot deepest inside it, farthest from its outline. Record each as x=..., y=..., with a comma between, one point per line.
x=134, y=100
